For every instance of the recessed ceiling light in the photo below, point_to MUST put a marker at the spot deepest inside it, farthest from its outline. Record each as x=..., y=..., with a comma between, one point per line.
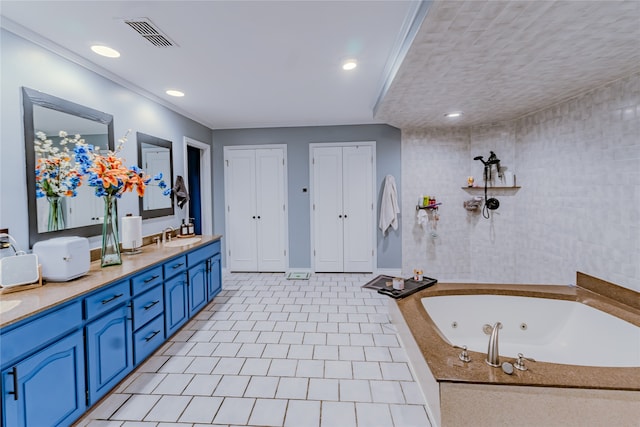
x=349, y=64
x=173, y=92
x=453, y=114
x=105, y=51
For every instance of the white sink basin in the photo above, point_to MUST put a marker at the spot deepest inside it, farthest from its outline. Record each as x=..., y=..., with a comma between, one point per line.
x=182, y=242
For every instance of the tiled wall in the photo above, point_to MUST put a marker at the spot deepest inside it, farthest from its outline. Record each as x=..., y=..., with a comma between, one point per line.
x=578, y=209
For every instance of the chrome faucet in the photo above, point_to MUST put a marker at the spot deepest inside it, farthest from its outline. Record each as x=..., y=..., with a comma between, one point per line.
x=493, y=358
x=164, y=234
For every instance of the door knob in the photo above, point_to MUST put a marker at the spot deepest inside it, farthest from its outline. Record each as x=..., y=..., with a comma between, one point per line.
x=258, y=216
x=254, y=217
x=345, y=215
x=339, y=216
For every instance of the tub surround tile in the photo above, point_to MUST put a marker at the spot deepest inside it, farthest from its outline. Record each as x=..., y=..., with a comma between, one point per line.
x=491, y=405
x=445, y=366
x=609, y=290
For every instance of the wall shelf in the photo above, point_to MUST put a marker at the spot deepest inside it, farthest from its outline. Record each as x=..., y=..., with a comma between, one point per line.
x=515, y=188
x=430, y=206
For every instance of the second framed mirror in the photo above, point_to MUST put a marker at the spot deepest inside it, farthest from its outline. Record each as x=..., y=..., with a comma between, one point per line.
x=155, y=156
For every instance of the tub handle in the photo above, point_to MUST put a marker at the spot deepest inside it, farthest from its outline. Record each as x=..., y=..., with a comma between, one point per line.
x=520, y=362
x=464, y=356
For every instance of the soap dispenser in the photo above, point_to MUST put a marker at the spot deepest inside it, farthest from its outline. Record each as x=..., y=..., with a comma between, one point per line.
x=184, y=228
x=191, y=227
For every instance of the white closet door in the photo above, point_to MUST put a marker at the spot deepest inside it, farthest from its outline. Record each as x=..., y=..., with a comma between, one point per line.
x=327, y=209
x=357, y=178
x=241, y=210
x=270, y=209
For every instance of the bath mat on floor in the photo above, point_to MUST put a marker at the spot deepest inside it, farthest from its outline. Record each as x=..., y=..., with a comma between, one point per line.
x=298, y=276
x=379, y=282
x=410, y=286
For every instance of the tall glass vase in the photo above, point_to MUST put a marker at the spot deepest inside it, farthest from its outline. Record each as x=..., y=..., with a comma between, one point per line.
x=56, y=219
x=110, y=239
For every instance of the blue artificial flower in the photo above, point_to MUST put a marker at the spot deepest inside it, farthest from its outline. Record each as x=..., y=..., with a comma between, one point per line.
x=162, y=184
x=158, y=177
x=166, y=192
x=39, y=193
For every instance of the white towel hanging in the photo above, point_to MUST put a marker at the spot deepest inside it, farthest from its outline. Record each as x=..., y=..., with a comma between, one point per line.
x=389, y=208
x=423, y=218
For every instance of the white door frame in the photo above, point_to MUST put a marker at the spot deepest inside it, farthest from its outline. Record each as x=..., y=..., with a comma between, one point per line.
x=285, y=194
x=374, y=196
x=206, y=186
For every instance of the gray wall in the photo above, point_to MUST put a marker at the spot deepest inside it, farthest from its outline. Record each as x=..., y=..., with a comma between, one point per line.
x=297, y=139
x=26, y=64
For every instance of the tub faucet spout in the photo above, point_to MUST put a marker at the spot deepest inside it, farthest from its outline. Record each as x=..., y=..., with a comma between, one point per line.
x=493, y=358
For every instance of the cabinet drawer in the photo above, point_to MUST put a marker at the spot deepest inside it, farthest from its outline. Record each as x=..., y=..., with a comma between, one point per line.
x=39, y=330
x=148, y=339
x=146, y=280
x=203, y=253
x=175, y=266
x=147, y=306
x=106, y=299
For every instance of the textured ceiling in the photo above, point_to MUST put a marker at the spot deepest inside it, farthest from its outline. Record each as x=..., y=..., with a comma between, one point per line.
x=276, y=63
x=499, y=60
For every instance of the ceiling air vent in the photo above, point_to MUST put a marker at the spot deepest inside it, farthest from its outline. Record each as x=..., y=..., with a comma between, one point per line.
x=146, y=29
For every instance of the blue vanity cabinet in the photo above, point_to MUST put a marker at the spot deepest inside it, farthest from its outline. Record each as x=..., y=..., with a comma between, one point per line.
x=44, y=384
x=197, y=287
x=176, y=300
x=148, y=309
x=46, y=389
x=56, y=363
x=204, y=267
x=109, y=345
x=214, y=276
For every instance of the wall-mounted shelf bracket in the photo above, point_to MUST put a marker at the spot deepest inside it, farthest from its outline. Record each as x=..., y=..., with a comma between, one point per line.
x=430, y=206
x=515, y=188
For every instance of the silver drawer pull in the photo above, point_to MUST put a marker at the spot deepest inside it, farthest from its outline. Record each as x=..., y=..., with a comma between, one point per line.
x=150, y=337
x=151, y=278
x=148, y=306
x=108, y=300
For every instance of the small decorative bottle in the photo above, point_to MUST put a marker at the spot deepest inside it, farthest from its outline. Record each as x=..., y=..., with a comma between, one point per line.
x=191, y=226
x=184, y=230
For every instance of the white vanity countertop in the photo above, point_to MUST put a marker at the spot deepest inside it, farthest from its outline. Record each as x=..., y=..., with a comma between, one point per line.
x=21, y=304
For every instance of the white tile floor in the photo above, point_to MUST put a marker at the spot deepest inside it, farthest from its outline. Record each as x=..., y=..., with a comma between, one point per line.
x=275, y=352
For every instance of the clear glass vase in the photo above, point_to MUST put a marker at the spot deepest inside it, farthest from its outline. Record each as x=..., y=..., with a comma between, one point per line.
x=56, y=218
x=110, y=239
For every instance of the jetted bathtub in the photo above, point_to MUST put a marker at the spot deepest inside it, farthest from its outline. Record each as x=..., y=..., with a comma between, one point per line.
x=586, y=347
x=547, y=330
